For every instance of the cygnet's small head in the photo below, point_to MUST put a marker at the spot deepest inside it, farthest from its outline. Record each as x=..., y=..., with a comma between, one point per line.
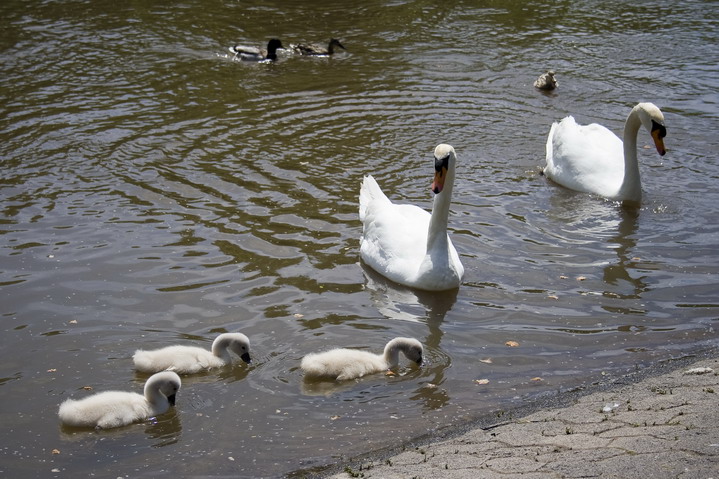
x=444, y=158
x=238, y=343
x=167, y=382
x=652, y=119
x=410, y=347
x=550, y=73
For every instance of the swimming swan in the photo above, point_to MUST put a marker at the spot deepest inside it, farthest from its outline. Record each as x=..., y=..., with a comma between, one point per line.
x=592, y=159
x=193, y=359
x=404, y=242
x=119, y=408
x=546, y=81
x=254, y=54
x=315, y=49
x=342, y=364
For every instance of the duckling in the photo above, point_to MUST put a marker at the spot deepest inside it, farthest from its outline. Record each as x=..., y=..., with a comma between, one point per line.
x=546, y=81
x=192, y=359
x=253, y=54
x=119, y=408
x=315, y=49
x=342, y=364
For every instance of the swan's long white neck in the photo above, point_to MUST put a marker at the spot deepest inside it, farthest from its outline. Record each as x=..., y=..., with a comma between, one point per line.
x=437, y=234
x=631, y=188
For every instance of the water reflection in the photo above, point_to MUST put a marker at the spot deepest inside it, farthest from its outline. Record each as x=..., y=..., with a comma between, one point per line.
x=626, y=244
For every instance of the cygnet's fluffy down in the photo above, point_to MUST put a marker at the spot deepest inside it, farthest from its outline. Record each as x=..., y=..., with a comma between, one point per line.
x=193, y=359
x=119, y=408
x=342, y=364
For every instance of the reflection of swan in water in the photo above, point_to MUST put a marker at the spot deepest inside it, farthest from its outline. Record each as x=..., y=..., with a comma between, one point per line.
x=582, y=222
x=625, y=241
x=403, y=303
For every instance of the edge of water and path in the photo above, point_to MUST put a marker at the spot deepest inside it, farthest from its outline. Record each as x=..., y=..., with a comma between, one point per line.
x=660, y=421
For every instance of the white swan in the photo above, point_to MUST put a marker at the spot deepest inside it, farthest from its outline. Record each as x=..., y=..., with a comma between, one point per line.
x=119, y=408
x=592, y=159
x=342, y=364
x=404, y=242
x=193, y=359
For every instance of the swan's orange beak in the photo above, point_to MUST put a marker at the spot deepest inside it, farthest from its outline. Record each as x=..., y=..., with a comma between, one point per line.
x=658, y=142
x=438, y=182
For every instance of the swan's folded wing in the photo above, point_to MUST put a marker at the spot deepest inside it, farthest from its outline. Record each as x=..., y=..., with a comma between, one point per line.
x=584, y=157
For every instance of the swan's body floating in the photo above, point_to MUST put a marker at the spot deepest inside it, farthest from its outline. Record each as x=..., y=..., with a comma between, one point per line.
x=120, y=408
x=253, y=54
x=193, y=359
x=546, y=81
x=342, y=364
x=592, y=159
x=404, y=242
x=315, y=49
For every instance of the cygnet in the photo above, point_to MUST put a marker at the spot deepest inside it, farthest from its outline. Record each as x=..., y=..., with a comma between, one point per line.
x=193, y=359
x=342, y=364
x=119, y=408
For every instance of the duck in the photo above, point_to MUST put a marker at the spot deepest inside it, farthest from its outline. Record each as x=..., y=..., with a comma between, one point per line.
x=342, y=364
x=254, y=54
x=111, y=409
x=315, y=49
x=193, y=359
x=546, y=81
x=407, y=244
x=592, y=159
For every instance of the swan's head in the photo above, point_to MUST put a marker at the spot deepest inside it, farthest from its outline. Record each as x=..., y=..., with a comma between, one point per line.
x=410, y=347
x=444, y=158
x=167, y=382
x=238, y=343
x=653, y=120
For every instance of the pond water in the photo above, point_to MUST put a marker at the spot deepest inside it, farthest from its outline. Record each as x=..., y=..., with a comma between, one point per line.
x=155, y=191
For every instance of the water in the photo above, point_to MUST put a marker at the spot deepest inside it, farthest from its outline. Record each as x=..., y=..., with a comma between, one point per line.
x=156, y=192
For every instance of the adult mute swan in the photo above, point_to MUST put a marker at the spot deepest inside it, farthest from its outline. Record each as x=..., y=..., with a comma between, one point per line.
x=592, y=159
x=119, y=408
x=342, y=364
x=404, y=242
x=254, y=54
x=193, y=359
x=318, y=50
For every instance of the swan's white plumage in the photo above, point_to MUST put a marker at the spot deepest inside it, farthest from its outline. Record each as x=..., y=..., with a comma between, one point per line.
x=193, y=359
x=406, y=243
x=592, y=159
x=119, y=408
x=342, y=364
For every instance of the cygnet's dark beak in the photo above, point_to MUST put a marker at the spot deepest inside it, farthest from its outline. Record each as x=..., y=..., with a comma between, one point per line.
x=246, y=358
x=171, y=399
x=420, y=362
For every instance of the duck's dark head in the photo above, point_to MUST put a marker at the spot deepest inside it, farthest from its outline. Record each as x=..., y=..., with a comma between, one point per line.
x=336, y=43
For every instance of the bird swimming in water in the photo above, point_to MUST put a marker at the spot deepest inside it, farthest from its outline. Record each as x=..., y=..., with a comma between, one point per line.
x=318, y=50
x=254, y=54
x=546, y=81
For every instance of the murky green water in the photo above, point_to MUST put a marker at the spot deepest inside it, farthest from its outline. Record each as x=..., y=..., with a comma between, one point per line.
x=154, y=191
